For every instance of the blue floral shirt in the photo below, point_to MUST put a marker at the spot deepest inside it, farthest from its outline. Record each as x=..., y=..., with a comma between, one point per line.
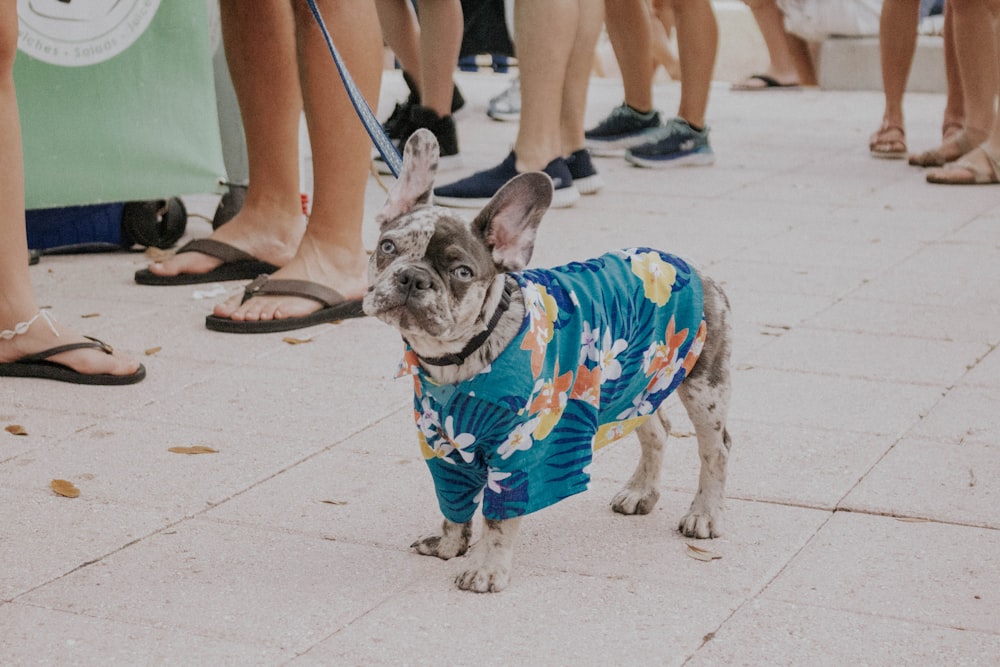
x=602, y=344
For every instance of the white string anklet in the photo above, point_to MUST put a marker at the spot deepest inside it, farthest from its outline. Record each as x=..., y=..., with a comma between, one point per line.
x=22, y=327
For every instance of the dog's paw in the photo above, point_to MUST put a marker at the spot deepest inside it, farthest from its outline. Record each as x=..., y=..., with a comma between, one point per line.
x=484, y=579
x=635, y=501
x=440, y=546
x=701, y=524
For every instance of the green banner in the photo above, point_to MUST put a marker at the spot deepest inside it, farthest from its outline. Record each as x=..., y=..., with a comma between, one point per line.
x=117, y=101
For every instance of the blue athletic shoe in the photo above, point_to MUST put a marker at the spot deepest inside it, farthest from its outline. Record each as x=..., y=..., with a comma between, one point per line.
x=585, y=178
x=676, y=145
x=623, y=128
x=476, y=190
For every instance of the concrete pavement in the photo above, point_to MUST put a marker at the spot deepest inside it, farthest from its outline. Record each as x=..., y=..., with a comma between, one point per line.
x=864, y=502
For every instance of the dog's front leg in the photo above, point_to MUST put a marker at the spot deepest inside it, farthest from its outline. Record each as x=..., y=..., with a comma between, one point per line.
x=453, y=541
x=491, y=557
x=640, y=494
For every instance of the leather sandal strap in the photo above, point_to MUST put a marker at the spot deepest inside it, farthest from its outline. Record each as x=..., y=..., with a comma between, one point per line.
x=264, y=285
x=992, y=157
x=227, y=253
x=93, y=343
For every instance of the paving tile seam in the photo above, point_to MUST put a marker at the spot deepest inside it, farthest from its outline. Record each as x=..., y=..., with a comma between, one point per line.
x=893, y=617
x=759, y=592
x=805, y=324
x=876, y=379
x=132, y=623
x=293, y=532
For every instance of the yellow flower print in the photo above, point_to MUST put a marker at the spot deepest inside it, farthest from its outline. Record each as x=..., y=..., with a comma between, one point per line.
x=657, y=276
x=612, y=431
x=542, y=311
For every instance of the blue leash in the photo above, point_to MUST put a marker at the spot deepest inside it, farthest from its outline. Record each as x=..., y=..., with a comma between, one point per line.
x=368, y=119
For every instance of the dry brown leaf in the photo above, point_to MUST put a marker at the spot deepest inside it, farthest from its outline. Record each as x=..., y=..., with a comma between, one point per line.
x=89, y=315
x=16, y=429
x=64, y=488
x=681, y=434
x=334, y=502
x=153, y=350
x=701, y=554
x=196, y=449
x=296, y=341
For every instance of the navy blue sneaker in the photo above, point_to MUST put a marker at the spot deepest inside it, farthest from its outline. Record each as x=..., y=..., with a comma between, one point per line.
x=585, y=178
x=476, y=190
x=623, y=128
x=676, y=145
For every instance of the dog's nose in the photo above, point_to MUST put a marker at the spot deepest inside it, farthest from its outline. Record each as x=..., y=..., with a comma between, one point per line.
x=414, y=278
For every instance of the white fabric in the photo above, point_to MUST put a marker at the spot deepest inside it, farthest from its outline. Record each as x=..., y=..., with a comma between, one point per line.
x=815, y=20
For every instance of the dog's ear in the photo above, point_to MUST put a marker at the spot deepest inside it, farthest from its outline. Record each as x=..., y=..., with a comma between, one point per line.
x=416, y=181
x=509, y=222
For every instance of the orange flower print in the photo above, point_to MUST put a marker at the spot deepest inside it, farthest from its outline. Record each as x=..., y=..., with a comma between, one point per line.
x=657, y=276
x=549, y=403
x=587, y=387
x=542, y=314
x=696, y=347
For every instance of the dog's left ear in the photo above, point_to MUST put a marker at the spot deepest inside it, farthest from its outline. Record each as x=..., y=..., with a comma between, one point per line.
x=509, y=222
x=416, y=181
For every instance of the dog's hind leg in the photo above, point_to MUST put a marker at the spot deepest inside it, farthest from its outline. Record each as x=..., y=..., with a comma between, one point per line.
x=705, y=394
x=453, y=541
x=491, y=557
x=640, y=493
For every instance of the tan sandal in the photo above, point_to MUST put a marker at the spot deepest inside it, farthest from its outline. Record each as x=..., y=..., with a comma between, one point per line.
x=888, y=143
x=964, y=172
x=938, y=158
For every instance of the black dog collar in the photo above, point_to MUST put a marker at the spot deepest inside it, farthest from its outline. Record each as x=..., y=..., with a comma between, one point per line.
x=474, y=344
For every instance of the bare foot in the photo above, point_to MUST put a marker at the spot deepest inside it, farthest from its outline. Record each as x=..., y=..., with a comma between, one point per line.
x=953, y=147
x=331, y=266
x=90, y=361
x=269, y=235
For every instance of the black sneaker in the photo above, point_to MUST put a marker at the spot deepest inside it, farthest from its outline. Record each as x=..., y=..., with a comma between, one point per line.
x=585, y=177
x=623, y=128
x=476, y=190
x=398, y=125
x=442, y=127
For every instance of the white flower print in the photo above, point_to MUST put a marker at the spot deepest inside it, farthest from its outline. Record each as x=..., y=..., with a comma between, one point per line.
x=458, y=442
x=589, y=344
x=520, y=439
x=611, y=368
x=493, y=479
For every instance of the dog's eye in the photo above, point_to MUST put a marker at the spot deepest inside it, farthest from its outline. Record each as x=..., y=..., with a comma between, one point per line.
x=462, y=272
x=387, y=247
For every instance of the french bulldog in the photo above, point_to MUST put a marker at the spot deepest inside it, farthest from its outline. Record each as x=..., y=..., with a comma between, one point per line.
x=520, y=374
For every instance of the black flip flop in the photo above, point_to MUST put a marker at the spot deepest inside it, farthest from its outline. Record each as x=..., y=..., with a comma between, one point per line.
x=38, y=366
x=236, y=265
x=770, y=83
x=335, y=307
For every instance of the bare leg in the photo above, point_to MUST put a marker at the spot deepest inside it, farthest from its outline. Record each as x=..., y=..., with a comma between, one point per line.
x=660, y=39
x=17, y=300
x=954, y=108
x=574, y=100
x=641, y=492
x=440, y=42
x=697, y=44
x=897, y=44
x=331, y=252
x=491, y=558
x=982, y=163
x=781, y=66
x=545, y=32
x=629, y=30
x=402, y=33
x=259, y=38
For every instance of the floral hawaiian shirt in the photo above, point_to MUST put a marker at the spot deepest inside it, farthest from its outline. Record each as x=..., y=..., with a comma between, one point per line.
x=602, y=344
